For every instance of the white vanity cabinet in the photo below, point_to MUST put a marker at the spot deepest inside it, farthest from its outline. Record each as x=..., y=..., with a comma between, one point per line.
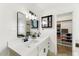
x=34, y=52
x=31, y=53
x=34, y=49
x=43, y=48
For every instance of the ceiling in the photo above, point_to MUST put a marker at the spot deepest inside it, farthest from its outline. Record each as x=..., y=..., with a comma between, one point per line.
x=44, y=6
x=41, y=7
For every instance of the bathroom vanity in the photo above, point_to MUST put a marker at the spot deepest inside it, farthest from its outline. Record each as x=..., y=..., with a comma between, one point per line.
x=36, y=47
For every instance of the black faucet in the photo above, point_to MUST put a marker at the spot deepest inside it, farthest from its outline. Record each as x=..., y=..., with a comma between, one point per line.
x=26, y=39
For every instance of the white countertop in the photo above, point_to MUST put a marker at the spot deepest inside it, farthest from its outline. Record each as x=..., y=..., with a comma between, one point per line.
x=22, y=47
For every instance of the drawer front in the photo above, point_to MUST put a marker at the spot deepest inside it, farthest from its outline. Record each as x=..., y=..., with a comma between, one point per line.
x=43, y=51
x=43, y=48
x=34, y=52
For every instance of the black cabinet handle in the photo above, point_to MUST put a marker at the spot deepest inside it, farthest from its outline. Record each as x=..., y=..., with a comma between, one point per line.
x=44, y=50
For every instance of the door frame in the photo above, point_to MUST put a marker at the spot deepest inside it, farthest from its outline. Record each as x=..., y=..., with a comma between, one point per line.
x=73, y=42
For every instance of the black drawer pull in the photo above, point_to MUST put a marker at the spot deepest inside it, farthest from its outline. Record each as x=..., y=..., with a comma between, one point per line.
x=44, y=50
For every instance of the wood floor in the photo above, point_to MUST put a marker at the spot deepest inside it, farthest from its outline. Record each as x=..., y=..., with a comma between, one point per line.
x=64, y=51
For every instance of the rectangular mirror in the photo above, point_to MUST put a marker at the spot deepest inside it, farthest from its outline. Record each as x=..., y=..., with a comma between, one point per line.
x=21, y=24
x=46, y=21
x=34, y=23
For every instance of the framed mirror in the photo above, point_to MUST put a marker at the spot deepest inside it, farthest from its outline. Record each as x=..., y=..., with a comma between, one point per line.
x=46, y=21
x=34, y=23
x=21, y=24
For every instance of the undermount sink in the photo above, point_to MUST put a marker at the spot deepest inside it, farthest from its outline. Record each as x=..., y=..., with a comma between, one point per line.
x=31, y=43
x=34, y=41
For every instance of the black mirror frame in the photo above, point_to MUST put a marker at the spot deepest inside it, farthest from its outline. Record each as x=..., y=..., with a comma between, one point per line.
x=49, y=22
x=19, y=35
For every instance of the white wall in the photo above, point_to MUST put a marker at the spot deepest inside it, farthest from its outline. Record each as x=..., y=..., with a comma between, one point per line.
x=8, y=23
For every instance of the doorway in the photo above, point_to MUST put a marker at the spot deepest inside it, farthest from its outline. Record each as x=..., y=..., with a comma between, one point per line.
x=64, y=34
